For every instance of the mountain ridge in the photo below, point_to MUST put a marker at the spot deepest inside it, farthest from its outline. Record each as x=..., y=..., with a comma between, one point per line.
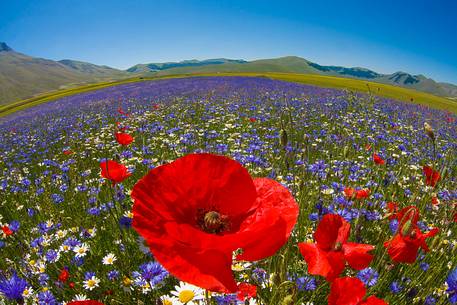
x=23, y=76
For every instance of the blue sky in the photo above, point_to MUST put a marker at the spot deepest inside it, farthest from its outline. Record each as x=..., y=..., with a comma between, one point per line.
x=386, y=36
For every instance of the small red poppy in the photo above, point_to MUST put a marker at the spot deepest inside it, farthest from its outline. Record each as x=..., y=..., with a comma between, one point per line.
x=431, y=176
x=155, y=106
x=122, y=111
x=351, y=291
x=435, y=200
x=67, y=152
x=352, y=193
x=362, y=194
x=123, y=138
x=378, y=160
x=246, y=291
x=7, y=231
x=252, y=120
x=86, y=302
x=392, y=207
x=328, y=256
x=64, y=275
x=403, y=247
x=114, y=171
x=196, y=211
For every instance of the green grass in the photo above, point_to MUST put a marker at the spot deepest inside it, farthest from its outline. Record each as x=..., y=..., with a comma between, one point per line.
x=383, y=90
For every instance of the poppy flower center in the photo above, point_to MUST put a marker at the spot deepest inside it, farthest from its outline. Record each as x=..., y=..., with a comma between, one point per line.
x=212, y=222
x=338, y=246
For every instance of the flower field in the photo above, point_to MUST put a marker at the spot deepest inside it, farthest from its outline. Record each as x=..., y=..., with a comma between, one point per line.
x=228, y=190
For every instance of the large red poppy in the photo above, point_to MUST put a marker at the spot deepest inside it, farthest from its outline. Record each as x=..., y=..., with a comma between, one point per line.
x=403, y=247
x=351, y=291
x=123, y=138
x=196, y=211
x=114, y=171
x=431, y=176
x=328, y=256
x=86, y=302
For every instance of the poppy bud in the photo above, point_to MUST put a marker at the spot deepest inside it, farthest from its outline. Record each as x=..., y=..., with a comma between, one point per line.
x=429, y=131
x=284, y=138
x=288, y=300
x=407, y=227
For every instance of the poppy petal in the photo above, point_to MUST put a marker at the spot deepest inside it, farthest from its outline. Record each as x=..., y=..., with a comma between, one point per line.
x=357, y=255
x=315, y=258
x=372, y=300
x=346, y=291
x=197, y=181
x=269, y=228
x=332, y=228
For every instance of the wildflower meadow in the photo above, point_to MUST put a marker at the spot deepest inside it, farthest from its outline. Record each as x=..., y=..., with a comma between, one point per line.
x=228, y=190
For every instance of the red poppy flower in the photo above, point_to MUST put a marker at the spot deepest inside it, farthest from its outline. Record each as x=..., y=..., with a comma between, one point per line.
x=431, y=176
x=403, y=247
x=196, y=211
x=351, y=291
x=122, y=111
x=349, y=192
x=7, y=231
x=64, y=275
x=378, y=160
x=328, y=256
x=123, y=138
x=435, y=200
x=155, y=106
x=86, y=302
x=67, y=152
x=246, y=291
x=392, y=207
x=408, y=215
x=114, y=171
x=362, y=194
x=252, y=120
x=352, y=193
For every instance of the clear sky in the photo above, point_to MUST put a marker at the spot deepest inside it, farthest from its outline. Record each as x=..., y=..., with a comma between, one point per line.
x=386, y=36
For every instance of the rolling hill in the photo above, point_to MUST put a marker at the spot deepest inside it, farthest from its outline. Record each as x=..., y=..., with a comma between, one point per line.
x=22, y=76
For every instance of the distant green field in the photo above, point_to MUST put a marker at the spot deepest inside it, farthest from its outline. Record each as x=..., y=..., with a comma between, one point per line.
x=383, y=90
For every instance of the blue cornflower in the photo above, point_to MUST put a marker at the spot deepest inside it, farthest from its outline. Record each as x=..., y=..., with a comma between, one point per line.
x=153, y=272
x=125, y=222
x=393, y=226
x=13, y=287
x=14, y=225
x=57, y=198
x=113, y=275
x=259, y=275
x=430, y=300
x=424, y=266
x=228, y=299
x=306, y=283
x=368, y=276
x=452, y=286
x=395, y=287
x=43, y=279
x=52, y=255
x=46, y=298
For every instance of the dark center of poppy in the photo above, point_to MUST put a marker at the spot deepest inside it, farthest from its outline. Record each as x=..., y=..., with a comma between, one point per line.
x=213, y=222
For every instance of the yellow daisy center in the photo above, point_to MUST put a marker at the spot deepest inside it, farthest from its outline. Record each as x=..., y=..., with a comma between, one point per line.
x=186, y=296
x=167, y=302
x=91, y=283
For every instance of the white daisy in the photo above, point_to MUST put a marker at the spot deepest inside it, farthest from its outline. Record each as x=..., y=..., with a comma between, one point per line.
x=81, y=250
x=109, y=259
x=188, y=294
x=91, y=283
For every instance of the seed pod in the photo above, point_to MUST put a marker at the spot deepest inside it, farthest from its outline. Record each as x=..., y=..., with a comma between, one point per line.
x=283, y=137
x=429, y=131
